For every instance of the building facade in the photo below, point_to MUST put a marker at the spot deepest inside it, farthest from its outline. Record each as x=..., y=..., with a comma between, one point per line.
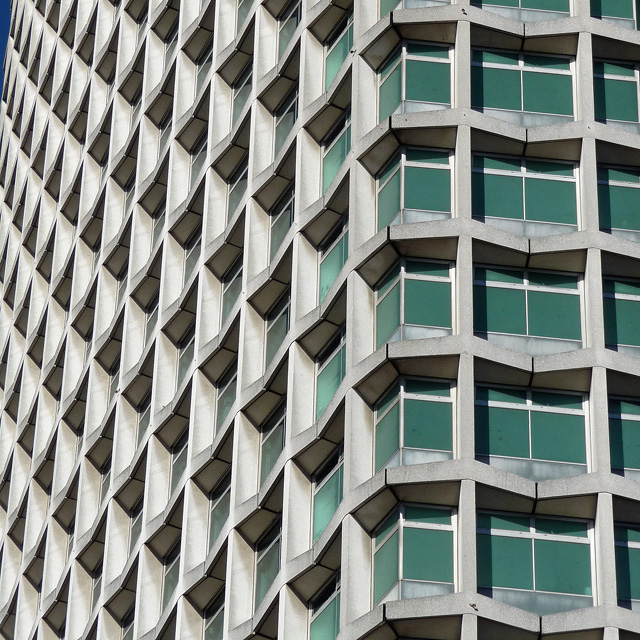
x=320, y=319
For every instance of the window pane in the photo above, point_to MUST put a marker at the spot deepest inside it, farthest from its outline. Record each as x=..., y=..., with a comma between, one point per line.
x=389, y=201
x=547, y=5
x=271, y=449
x=497, y=196
x=550, y=201
x=385, y=567
x=628, y=573
x=618, y=207
x=427, y=189
x=428, y=81
x=326, y=624
x=390, y=93
x=337, y=56
x=563, y=567
x=334, y=158
x=612, y=8
x=328, y=382
x=504, y=562
x=502, y=432
x=506, y=521
x=428, y=515
x=219, y=516
x=387, y=436
x=387, y=6
x=170, y=582
x=331, y=265
x=266, y=571
x=621, y=324
x=286, y=32
x=495, y=88
x=230, y=296
x=554, y=315
x=615, y=99
x=276, y=335
x=547, y=93
x=428, y=555
x=225, y=402
x=562, y=527
x=625, y=443
x=558, y=436
x=427, y=303
x=388, y=315
x=215, y=629
x=428, y=425
x=501, y=310
x=326, y=501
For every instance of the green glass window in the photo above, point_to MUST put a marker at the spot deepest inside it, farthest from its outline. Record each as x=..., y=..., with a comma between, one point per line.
x=415, y=77
x=220, y=499
x=272, y=440
x=226, y=392
x=536, y=563
x=526, y=10
x=413, y=553
x=621, y=12
x=619, y=200
x=186, y=350
x=627, y=539
x=335, y=149
x=242, y=13
x=414, y=301
x=237, y=187
x=339, y=44
x=624, y=436
x=615, y=89
x=231, y=287
x=414, y=423
x=281, y=219
x=214, y=619
x=538, y=86
x=198, y=160
x=241, y=89
x=533, y=433
x=267, y=561
x=170, y=574
x=327, y=492
x=333, y=254
x=509, y=303
x=621, y=308
x=332, y=366
x=525, y=196
x=325, y=611
x=277, y=326
x=287, y=23
x=415, y=187
x=386, y=6
x=285, y=117
x=179, y=458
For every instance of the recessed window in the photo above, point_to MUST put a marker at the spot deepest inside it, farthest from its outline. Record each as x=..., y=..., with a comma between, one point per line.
x=533, y=433
x=267, y=561
x=415, y=77
x=170, y=43
x=415, y=186
x=96, y=586
x=627, y=537
x=192, y=253
x=413, y=553
x=335, y=148
x=338, y=47
x=231, y=287
x=526, y=10
x=186, y=352
x=414, y=423
x=285, y=117
x=624, y=436
x=179, y=458
x=615, y=89
x=214, y=619
x=539, y=564
x=151, y=317
x=242, y=12
x=272, y=437
x=277, y=322
x=203, y=65
x=241, y=89
x=327, y=492
x=280, y=220
x=529, y=197
x=414, y=301
x=135, y=525
x=620, y=12
x=333, y=254
x=170, y=574
x=532, y=311
x=325, y=611
x=621, y=309
x=226, y=392
x=529, y=89
x=105, y=480
x=288, y=21
x=331, y=368
x=220, y=500
x=237, y=186
x=619, y=201
x=198, y=158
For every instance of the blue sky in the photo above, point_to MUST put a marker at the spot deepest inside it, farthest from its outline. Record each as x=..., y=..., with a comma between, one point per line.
x=5, y=17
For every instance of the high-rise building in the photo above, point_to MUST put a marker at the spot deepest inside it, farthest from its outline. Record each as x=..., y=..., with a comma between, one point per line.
x=320, y=319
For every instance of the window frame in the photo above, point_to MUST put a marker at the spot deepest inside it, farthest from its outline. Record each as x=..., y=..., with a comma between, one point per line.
x=400, y=279
x=401, y=62
x=399, y=511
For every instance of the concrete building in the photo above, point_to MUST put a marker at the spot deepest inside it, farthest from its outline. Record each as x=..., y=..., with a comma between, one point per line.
x=320, y=319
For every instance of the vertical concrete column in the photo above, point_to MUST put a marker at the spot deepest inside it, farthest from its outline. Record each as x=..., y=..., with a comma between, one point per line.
x=582, y=8
x=588, y=187
x=605, y=551
x=463, y=312
x=465, y=408
x=358, y=442
x=462, y=67
x=469, y=629
x=599, y=421
x=593, y=305
x=355, y=576
x=462, y=174
x=584, y=79
x=610, y=633
x=467, y=579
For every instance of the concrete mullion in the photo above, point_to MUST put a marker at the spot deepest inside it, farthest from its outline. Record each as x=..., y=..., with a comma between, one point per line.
x=605, y=551
x=599, y=421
